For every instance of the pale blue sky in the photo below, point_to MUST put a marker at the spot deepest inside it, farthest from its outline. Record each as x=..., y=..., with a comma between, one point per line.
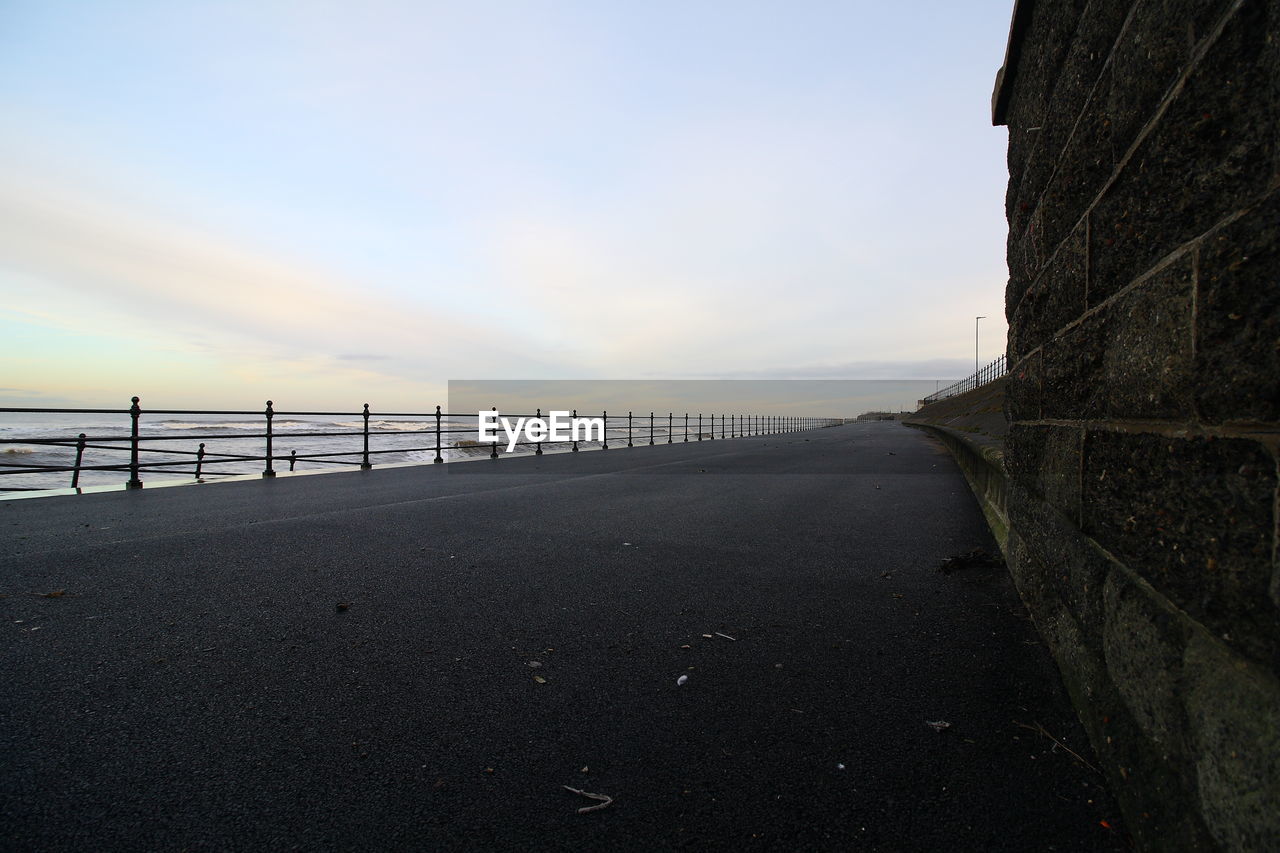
x=207, y=204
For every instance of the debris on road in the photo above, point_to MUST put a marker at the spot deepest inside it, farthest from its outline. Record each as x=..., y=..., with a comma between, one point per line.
x=535, y=663
x=57, y=593
x=726, y=636
x=839, y=766
x=706, y=636
x=938, y=725
x=978, y=558
x=539, y=679
x=604, y=799
x=342, y=607
x=681, y=680
x=1039, y=729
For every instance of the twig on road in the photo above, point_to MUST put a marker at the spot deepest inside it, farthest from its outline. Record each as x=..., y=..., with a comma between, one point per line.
x=1040, y=730
x=605, y=799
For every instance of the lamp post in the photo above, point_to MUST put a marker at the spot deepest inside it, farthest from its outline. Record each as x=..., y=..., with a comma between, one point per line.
x=975, y=345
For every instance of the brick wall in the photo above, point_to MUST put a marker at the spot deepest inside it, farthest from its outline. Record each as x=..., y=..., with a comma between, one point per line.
x=1144, y=395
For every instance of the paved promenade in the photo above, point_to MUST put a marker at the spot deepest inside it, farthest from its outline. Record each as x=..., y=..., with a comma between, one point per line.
x=423, y=658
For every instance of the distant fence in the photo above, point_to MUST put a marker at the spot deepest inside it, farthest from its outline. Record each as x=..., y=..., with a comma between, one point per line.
x=137, y=452
x=990, y=373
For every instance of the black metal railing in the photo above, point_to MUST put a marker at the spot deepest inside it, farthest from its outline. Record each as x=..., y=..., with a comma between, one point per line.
x=989, y=373
x=230, y=448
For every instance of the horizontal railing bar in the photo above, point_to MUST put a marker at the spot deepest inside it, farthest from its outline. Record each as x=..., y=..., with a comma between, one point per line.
x=56, y=469
x=67, y=411
x=324, y=461
x=372, y=414
x=249, y=412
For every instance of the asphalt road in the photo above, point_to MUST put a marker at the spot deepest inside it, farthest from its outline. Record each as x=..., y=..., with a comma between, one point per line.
x=512, y=627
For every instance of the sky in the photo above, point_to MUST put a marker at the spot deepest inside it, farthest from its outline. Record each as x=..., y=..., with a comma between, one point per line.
x=209, y=204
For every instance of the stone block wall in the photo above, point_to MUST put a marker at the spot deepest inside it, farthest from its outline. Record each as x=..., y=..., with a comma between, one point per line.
x=1144, y=394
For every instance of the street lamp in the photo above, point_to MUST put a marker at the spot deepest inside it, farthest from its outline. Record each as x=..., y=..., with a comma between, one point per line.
x=975, y=345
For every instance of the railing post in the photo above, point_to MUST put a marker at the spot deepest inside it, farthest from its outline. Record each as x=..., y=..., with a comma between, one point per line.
x=573, y=431
x=699, y=426
x=135, y=412
x=493, y=453
x=651, y=429
x=733, y=432
x=364, y=466
x=629, y=444
x=722, y=427
x=199, y=460
x=538, y=451
x=686, y=426
x=269, y=471
x=668, y=427
x=75, y=475
x=604, y=445
x=438, y=458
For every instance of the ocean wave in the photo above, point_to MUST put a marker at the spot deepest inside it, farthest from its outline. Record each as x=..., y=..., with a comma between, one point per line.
x=407, y=426
x=19, y=451
x=242, y=425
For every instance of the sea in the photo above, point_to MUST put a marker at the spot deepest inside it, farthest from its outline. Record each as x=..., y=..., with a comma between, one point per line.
x=38, y=450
